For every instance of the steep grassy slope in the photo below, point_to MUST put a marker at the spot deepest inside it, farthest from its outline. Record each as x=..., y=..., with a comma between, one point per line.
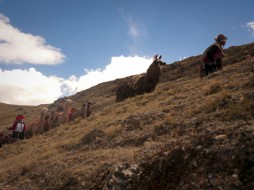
x=190, y=133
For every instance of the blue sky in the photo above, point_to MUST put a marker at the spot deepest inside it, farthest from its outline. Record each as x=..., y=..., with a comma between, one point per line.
x=55, y=48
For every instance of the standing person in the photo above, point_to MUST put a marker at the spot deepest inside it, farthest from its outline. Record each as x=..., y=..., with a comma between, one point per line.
x=19, y=128
x=212, y=56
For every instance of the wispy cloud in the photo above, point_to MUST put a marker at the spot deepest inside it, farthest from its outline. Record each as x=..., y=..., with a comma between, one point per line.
x=250, y=26
x=31, y=87
x=137, y=31
x=17, y=47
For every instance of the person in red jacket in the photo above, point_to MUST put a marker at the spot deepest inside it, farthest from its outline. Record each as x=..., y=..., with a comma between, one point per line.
x=19, y=128
x=212, y=56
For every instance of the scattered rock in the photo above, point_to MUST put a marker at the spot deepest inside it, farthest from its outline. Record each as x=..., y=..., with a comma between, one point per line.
x=220, y=137
x=122, y=177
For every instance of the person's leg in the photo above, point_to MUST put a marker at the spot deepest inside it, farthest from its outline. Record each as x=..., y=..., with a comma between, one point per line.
x=15, y=134
x=214, y=67
x=219, y=64
x=207, y=69
x=21, y=135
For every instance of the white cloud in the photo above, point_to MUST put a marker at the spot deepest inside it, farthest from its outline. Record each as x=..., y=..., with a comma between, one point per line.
x=30, y=87
x=118, y=68
x=17, y=47
x=250, y=26
x=182, y=58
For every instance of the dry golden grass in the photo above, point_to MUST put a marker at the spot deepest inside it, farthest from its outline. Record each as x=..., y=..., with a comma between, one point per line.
x=170, y=119
x=113, y=130
x=212, y=88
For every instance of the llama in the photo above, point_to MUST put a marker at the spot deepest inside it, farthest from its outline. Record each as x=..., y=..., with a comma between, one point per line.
x=75, y=113
x=30, y=128
x=53, y=118
x=57, y=118
x=67, y=110
x=86, y=109
x=40, y=125
x=84, y=112
x=140, y=84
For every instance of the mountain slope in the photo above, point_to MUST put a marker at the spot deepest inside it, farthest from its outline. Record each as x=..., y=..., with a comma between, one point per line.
x=190, y=133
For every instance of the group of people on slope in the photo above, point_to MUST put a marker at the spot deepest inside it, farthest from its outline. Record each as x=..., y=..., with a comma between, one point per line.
x=211, y=62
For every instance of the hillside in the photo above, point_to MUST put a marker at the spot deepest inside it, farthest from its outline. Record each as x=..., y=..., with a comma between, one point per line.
x=190, y=133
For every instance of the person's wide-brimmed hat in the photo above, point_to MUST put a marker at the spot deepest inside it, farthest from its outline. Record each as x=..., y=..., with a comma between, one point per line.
x=220, y=38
